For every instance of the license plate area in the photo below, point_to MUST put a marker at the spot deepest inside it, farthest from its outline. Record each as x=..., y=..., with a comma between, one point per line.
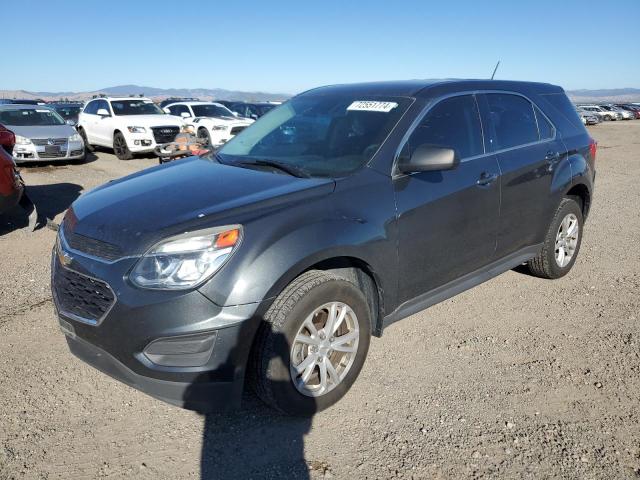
x=51, y=149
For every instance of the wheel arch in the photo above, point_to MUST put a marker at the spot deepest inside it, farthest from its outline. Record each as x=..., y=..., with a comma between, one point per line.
x=351, y=268
x=580, y=192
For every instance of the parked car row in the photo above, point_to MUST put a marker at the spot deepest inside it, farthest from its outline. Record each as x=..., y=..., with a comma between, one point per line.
x=128, y=125
x=594, y=114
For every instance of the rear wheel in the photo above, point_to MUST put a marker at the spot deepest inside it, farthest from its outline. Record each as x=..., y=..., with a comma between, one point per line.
x=120, y=147
x=313, y=344
x=562, y=243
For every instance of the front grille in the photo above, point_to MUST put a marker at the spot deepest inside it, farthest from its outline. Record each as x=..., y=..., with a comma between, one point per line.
x=165, y=134
x=49, y=141
x=236, y=130
x=80, y=297
x=90, y=246
x=60, y=154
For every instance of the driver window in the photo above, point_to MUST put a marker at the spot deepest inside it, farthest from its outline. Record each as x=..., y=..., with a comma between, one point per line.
x=452, y=123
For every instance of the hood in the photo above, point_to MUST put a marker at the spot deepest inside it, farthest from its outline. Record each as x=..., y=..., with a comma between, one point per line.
x=149, y=120
x=137, y=211
x=48, y=131
x=233, y=121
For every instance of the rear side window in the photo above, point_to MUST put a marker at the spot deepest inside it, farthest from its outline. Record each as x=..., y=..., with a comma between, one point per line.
x=513, y=119
x=544, y=127
x=452, y=123
x=563, y=105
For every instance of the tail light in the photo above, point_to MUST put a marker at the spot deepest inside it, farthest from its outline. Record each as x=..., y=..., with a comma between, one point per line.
x=593, y=148
x=7, y=138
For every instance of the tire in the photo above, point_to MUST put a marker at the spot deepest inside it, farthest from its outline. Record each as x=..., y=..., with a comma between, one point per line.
x=203, y=134
x=547, y=264
x=120, y=147
x=275, y=354
x=87, y=147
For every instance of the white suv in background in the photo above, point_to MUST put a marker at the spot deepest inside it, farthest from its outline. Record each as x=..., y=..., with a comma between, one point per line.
x=129, y=125
x=214, y=123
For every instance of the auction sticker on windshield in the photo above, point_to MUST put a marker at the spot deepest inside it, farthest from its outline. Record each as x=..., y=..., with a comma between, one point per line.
x=372, y=106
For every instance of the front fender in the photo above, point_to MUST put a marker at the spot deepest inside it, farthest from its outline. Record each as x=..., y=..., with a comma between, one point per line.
x=279, y=246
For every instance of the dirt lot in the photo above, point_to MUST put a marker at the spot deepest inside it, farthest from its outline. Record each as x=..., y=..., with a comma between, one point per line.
x=519, y=377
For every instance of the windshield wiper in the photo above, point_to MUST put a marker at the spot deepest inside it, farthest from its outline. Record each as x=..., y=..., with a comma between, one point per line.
x=285, y=167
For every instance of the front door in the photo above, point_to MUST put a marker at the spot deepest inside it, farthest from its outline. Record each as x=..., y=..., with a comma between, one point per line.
x=447, y=220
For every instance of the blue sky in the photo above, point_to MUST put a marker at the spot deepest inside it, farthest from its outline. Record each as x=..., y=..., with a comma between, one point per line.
x=289, y=46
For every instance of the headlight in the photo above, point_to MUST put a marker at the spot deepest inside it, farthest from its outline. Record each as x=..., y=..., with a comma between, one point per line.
x=75, y=138
x=219, y=127
x=137, y=129
x=186, y=260
x=20, y=140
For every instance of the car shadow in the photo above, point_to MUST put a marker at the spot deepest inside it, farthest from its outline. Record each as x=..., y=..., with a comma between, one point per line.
x=48, y=200
x=254, y=441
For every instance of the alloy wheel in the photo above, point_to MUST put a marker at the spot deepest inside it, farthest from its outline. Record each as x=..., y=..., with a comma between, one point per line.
x=567, y=240
x=324, y=349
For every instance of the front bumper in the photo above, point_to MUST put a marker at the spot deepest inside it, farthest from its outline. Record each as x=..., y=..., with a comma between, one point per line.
x=38, y=153
x=200, y=393
x=119, y=343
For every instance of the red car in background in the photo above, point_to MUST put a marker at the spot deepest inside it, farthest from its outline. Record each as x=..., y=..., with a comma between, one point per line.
x=12, y=188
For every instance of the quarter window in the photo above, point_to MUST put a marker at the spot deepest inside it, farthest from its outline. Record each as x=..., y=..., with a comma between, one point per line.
x=452, y=123
x=513, y=120
x=544, y=127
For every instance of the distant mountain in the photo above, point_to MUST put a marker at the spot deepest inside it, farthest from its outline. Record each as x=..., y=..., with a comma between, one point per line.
x=613, y=95
x=152, y=92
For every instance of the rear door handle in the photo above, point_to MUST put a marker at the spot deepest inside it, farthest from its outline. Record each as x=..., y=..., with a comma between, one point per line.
x=551, y=156
x=486, y=179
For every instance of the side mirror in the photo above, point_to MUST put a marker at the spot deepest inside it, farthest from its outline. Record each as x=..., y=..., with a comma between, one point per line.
x=103, y=112
x=185, y=115
x=427, y=158
x=254, y=116
x=167, y=111
x=235, y=114
x=71, y=123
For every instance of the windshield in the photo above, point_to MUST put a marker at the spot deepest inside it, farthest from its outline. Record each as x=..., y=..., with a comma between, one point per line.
x=211, y=110
x=30, y=117
x=135, y=107
x=323, y=135
x=68, y=113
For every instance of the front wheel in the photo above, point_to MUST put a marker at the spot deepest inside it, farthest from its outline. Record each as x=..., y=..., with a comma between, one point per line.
x=312, y=345
x=562, y=243
x=204, y=137
x=120, y=147
x=87, y=146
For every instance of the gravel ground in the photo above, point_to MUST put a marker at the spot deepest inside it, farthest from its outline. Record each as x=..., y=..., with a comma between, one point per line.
x=517, y=378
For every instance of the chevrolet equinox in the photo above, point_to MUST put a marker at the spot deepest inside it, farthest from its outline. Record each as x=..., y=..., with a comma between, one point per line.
x=274, y=260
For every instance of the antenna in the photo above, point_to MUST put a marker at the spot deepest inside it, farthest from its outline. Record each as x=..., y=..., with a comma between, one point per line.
x=495, y=70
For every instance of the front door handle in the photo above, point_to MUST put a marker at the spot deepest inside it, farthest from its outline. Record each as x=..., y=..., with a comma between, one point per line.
x=486, y=179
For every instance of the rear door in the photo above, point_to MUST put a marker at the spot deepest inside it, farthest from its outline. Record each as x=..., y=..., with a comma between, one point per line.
x=528, y=151
x=447, y=220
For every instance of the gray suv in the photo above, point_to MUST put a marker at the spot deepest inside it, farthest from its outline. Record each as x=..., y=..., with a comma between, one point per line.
x=273, y=261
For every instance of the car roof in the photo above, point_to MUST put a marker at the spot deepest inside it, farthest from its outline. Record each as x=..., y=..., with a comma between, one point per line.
x=119, y=98
x=427, y=88
x=194, y=103
x=20, y=106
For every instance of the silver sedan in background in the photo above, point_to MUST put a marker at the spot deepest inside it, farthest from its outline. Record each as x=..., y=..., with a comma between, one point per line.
x=41, y=134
